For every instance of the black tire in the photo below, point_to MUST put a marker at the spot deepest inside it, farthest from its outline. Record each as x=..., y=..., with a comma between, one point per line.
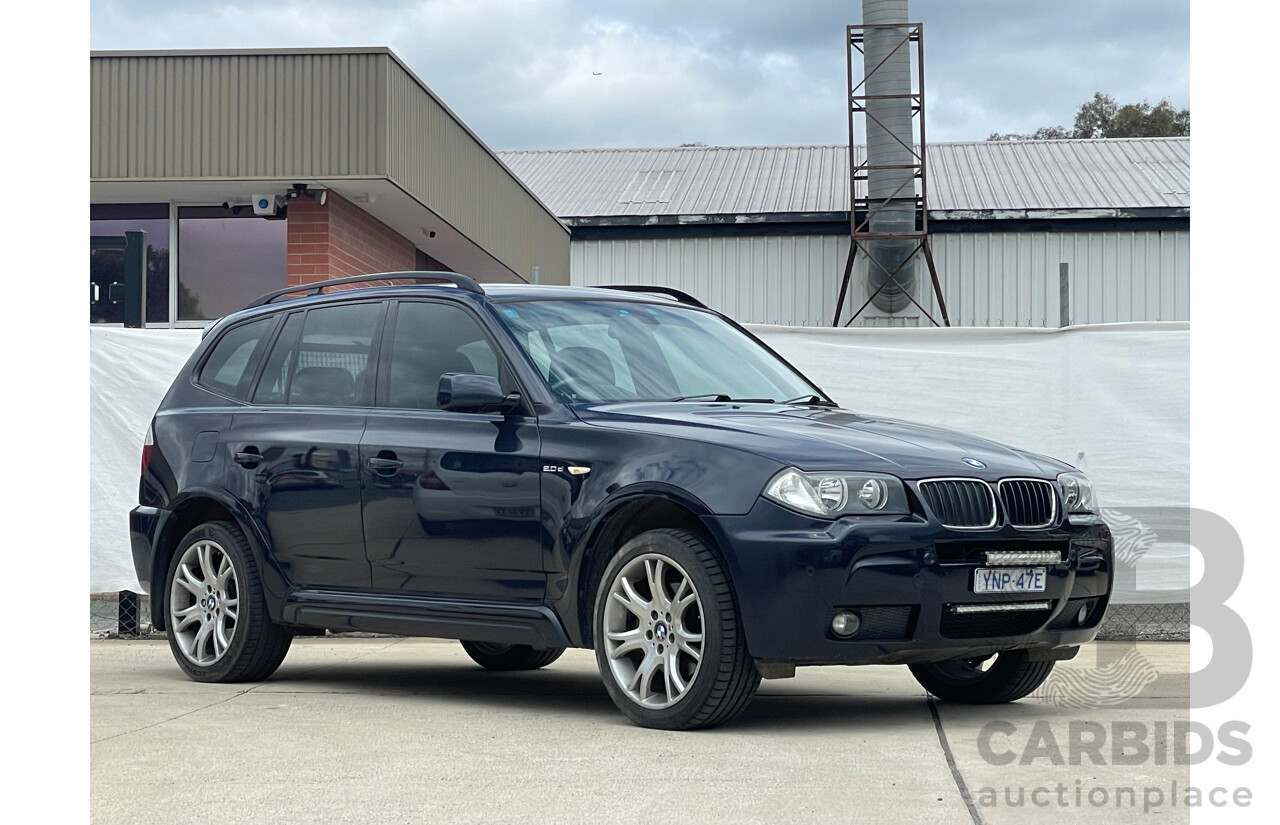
x=493, y=656
x=1012, y=676
x=725, y=678
x=255, y=645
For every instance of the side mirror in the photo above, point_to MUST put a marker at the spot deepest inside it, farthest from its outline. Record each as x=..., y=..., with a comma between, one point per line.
x=465, y=392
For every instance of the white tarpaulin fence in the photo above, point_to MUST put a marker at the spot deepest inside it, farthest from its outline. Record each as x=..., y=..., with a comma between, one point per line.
x=1110, y=399
x=129, y=372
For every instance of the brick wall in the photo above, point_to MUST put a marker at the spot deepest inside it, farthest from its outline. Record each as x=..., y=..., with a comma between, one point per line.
x=340, y=239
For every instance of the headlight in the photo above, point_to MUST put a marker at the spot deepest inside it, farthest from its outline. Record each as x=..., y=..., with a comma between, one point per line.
x=1077, y=493
x=829, y=495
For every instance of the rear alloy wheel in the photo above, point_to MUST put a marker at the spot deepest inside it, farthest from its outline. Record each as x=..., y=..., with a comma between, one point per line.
x=667, y=636
x=983, y=680
x=216, y=615
x=494, y=656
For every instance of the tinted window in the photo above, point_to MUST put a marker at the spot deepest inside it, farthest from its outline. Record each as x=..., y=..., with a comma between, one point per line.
x=275, y=375
x=429, y=341
x=321, y=358
x=229, y=367
x=227, y=258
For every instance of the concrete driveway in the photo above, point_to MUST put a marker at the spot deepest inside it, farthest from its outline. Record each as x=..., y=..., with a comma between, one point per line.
x=387, y=730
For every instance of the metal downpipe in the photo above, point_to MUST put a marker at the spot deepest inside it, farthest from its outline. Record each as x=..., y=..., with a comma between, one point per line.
x=889, y=136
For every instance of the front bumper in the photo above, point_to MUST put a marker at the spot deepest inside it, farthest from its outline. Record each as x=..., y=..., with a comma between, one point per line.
x=903, y=577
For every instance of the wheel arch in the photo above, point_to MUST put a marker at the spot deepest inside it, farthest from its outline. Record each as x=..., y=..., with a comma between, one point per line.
x=193, y=508
x=623, y=517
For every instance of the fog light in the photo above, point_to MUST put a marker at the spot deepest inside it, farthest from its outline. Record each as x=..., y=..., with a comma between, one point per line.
x=845, y=624
x=1083, y=615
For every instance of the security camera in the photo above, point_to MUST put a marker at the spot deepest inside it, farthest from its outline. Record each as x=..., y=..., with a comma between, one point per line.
x=264, y=205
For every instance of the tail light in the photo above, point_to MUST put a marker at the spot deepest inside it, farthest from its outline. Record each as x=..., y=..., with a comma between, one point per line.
x=147, y=444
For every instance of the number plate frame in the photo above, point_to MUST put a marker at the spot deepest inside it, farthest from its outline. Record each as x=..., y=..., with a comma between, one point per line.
x=1009, y=579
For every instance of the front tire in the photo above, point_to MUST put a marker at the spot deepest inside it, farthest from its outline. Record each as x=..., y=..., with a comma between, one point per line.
x=668, y=640
x=215, y=610
x=493, y=656
x=978, y=681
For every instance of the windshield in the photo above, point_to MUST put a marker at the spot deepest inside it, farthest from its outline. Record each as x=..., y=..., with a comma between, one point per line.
x=591, y=351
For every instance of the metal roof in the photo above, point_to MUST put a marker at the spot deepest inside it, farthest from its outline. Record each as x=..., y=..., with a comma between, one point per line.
x=1000, y=177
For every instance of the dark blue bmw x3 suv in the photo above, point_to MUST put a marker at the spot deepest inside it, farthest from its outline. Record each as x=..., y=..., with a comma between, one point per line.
x=530, y=468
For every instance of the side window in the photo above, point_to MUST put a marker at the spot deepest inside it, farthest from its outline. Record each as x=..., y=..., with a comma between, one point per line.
x=275, y=375
x=430, y=340
x=229, y=367
x=321, y=357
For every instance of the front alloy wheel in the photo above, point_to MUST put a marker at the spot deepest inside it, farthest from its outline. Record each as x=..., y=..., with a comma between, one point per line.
x=653, y=631
x=668, y=639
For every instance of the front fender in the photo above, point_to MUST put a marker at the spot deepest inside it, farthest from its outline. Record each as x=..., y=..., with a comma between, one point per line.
x=586, y=543
x=578, y=533
x=702, y=478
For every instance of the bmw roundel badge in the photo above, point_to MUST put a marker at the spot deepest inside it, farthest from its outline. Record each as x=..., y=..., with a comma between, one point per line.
x=973, y=462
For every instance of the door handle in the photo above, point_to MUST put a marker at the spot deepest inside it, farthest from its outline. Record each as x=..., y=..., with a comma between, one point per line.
x=385, y=465
x=249, y=458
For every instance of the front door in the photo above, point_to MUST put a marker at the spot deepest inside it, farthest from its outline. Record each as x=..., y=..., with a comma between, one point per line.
x=451, y=500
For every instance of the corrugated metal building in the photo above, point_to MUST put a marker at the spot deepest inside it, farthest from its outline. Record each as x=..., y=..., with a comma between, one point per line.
x=252, y=169
x=762, y=233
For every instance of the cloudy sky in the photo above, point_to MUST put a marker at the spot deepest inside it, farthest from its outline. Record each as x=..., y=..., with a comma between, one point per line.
x=522, y=73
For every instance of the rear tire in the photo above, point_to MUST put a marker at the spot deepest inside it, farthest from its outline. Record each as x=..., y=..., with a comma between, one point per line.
x=215, y=611
x=493, y=656
x=668, y=639
x=1012, y=676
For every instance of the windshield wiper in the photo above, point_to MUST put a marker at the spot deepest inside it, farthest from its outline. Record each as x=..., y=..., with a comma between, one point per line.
x=713, y=396
x=811, y=400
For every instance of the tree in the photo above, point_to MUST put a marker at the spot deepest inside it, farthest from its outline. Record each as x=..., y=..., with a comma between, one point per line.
x=1043, y=133
x=1096, y=117
x=1145, y=120
x=1102, y=117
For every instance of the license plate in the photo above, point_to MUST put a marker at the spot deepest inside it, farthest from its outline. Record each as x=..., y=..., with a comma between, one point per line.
x=1009, y=580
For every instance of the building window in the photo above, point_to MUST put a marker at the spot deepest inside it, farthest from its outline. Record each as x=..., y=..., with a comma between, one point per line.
x=106, y=266
x=227, y=257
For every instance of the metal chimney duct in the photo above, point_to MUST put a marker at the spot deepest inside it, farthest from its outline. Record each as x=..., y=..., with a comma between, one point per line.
x=889, y=136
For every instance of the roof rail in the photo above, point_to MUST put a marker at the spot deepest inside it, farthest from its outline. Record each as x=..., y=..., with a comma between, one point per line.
x=460, y=281
x=682, y=297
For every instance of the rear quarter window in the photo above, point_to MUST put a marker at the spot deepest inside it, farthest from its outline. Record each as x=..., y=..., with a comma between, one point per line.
x=229, y=367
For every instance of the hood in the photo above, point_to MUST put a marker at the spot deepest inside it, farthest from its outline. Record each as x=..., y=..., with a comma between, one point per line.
x=823, y=438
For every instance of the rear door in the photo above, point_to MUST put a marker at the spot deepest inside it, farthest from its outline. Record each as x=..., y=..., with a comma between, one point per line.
x=297, y=444
x=451, y=500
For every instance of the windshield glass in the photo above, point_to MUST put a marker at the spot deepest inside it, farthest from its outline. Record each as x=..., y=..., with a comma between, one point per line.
x=591, y=351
